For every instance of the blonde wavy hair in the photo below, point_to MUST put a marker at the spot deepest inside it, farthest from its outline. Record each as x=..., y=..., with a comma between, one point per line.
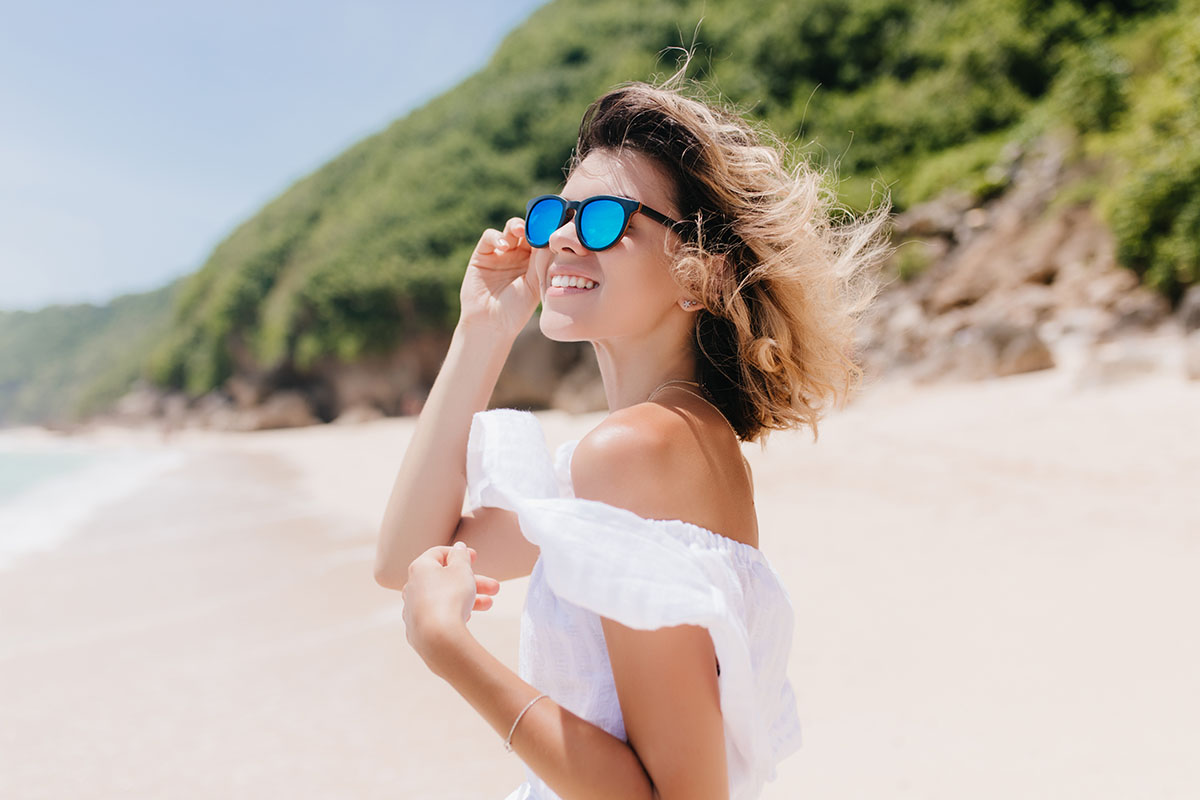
x=784, y=273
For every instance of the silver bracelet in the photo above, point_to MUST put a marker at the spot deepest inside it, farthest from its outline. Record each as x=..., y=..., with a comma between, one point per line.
x=508, y=741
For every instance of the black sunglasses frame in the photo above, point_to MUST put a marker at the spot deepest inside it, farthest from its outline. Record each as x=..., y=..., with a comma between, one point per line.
x=629, y=206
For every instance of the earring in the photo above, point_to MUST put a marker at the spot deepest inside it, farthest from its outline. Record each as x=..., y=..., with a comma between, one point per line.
x=690, y=303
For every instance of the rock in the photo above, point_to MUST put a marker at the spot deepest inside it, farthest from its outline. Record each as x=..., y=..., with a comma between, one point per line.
x=247, y=390
x=581, y=390
x=1024, y=352
x=1020, y=288
x=534, y=368
x=1088, y=273
x=211, y=402
x=938, y=364
x=1189, y=310
x=395, y=383
x=898, y=331
x=357, y=414
x=1002, y=258
x=1141, y=308
x=1087, y=325
x=143, y=402
x=1121, y=360
x=412, y=402
x=977, y=349
x=937, y=217
x=1191, y=356
x=1106, y=290
x=976, y=218
x=1025, y=306
x=286, y=409
x=175, y=410
x=214, y=410
x=991, y=349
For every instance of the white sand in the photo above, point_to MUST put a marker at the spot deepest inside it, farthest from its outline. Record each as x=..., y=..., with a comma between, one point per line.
x=995, y=588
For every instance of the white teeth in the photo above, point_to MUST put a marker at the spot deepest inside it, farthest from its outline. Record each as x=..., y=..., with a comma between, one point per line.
x=572, y=281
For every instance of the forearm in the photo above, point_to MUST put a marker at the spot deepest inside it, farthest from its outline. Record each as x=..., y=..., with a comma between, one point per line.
x=427, y=496
x=576, y=759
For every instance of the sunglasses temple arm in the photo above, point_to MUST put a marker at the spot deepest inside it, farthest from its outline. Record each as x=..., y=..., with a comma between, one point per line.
x=682, y=228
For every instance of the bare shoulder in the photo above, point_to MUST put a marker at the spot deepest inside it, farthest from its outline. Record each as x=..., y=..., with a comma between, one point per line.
x=669, y=461
x=663, y=461
x=626, y=459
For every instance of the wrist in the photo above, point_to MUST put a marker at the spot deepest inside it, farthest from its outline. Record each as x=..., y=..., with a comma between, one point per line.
x=480, y=333
x=445, y=646
x=481, y=352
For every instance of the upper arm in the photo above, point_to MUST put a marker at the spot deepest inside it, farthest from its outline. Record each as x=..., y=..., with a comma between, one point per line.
x=501, y=549
x=666, y=679
x=666, y=683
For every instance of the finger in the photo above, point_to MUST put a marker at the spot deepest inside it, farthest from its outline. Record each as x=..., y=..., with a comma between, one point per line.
x=502, y=242
x=514, y=230
x=487, y=242
x=486, y=585
x=482, y=604
x=439, y=552
x=433, y=557
x=458, y=554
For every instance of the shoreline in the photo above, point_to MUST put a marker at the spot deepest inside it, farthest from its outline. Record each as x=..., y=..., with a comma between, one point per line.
x=988, y=578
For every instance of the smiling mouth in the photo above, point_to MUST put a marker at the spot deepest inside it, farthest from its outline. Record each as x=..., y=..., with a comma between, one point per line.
x=572, y=282
x=558, y=291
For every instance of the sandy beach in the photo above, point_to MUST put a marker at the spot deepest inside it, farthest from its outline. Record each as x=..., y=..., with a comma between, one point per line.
x=995, y=588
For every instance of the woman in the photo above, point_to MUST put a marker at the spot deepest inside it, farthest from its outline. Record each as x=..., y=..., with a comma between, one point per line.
x=720, y=299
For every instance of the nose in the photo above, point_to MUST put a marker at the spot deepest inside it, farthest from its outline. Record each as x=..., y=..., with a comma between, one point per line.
x=566, y=238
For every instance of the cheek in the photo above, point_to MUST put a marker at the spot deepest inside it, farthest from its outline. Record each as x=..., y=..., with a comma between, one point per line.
x=639, y=291
x=539, y=259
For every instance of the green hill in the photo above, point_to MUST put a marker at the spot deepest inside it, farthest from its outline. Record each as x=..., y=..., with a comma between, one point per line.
x=64, y=362
x=920, y=95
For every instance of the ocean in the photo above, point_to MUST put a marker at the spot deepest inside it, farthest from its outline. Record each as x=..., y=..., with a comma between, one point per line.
x=48, y=489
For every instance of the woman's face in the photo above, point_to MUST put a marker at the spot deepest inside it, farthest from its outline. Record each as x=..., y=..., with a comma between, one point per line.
x=635, y=291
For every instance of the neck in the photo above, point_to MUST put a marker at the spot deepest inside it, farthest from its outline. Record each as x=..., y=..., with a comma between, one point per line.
x=632, y=367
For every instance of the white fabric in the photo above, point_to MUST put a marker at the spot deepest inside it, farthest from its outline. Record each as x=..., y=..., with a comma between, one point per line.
x=600, y=560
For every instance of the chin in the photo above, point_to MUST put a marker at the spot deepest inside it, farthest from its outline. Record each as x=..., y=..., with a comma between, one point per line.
x=559, y=327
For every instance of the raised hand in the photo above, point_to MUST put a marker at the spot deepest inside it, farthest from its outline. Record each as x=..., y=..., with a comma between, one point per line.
x=500, y=289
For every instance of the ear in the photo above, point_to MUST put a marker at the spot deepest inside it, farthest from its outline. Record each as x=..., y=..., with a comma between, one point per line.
x=718, y=265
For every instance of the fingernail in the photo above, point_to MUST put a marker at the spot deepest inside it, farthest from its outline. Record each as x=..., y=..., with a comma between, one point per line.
x=461, y=545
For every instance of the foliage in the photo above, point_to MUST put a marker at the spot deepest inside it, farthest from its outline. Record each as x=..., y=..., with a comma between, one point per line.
x=917, y=95
x=1153, y=200
x=61, y=363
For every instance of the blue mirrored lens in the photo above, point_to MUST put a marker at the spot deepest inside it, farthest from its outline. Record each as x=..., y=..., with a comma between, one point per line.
x=543, y=220
x=600, y=223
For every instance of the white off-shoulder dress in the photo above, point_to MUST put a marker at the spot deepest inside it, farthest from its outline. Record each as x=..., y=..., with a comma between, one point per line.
x=601, y=560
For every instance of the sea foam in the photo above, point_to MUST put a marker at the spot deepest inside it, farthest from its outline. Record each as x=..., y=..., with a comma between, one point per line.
x=65, y=484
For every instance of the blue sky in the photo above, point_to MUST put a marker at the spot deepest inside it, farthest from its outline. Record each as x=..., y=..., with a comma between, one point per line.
x=134, y=136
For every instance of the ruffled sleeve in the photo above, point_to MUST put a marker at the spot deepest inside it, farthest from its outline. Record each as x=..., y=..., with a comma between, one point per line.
x=651, y=574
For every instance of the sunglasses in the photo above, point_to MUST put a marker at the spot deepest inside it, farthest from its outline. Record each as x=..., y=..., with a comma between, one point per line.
x=600, y=221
